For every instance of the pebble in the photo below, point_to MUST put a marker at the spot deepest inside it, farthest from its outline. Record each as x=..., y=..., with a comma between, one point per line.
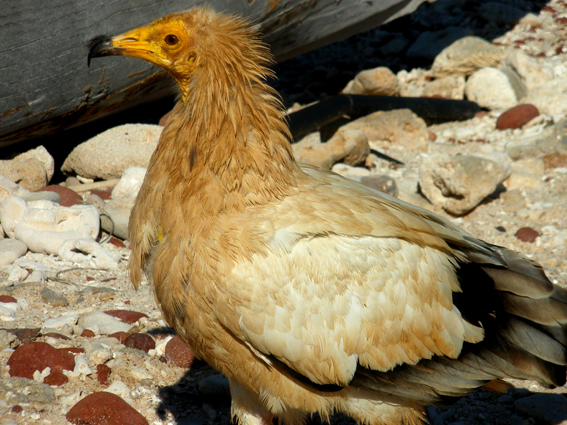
x=103, y=323
x=491, y=89
x=527, y=234
x=516, y=117
x=11, y=250
x=53, y=298
x=28, y=173
x=108, y=154
x=67, y=197
x=59, y=323
x=104, y=408
x=127, y=316
x=36, y=356
x=143, y=342
x=458, y=184
x=179, y=353
x=102, y=374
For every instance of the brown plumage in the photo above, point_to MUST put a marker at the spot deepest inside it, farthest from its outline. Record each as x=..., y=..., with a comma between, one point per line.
x=310, y=292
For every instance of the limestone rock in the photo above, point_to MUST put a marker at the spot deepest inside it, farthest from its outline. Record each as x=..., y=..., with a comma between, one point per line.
x=458, y=184
x=378, y=82
x=532, y=72
x=491, y=89
x=400, y=127
x=41, y=155
x=129, y=183
x=467, y=55
x=451, y=87
x=108, y=154
x=550, y=98
x=349, y=146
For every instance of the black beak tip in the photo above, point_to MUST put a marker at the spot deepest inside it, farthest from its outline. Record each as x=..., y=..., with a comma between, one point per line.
x=100, y=47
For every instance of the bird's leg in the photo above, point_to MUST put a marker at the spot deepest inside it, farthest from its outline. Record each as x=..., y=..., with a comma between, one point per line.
x=246, y=406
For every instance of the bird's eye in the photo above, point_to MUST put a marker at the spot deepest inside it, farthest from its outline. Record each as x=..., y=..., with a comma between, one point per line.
x=171, y=40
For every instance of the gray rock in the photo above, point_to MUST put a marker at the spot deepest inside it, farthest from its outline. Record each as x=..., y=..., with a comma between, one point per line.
x=458, y=184
x=53, y=298
x=108, y=154
x=491, y=89
x=115, y=216
x=544, y=408
x=103, y=323
x=400, y=127
x=11, y=250
x=22, y=390
x=429, y=43
x=349, y=146
x=466, y=56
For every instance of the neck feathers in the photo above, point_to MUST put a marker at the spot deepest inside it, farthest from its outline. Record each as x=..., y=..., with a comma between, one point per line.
x=228, y=133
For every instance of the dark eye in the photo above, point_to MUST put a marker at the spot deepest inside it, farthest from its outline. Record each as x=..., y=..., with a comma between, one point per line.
x=171, y=40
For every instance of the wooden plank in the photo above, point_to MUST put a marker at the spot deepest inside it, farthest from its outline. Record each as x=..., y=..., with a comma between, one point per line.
x=45, y=85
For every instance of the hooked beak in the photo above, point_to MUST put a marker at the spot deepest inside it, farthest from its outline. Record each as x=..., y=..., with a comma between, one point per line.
x=132, y=43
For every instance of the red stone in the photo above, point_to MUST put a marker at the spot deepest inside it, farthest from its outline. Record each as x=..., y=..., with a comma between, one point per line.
x=87, y=333
x=104, y=408
x=164, y=119
x=120, y=336
x=527, y=234
x=127, y=316
x=7, y=299
x=517, y=117
x=116, y=242
x=432, y=136
x=68, y=196
x=103, y=194
x=17, y=409
x=56, y=379
x=72, y=350
x=142, y=342
x=28, y=358
x=56, y=335
x=179, y=353
x=102, y=372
